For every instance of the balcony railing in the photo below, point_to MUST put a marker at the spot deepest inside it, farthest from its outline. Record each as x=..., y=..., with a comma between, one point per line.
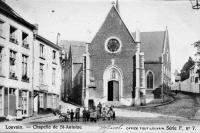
x=25, y=78
x=12, y=61
x=13, y=76
x=13, y=39
x=25, y=44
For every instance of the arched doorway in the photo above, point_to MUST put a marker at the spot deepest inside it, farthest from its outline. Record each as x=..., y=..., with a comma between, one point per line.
x=113, y=90
x=113, y=83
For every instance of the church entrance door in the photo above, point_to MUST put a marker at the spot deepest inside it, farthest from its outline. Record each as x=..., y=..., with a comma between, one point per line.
x=113, y=90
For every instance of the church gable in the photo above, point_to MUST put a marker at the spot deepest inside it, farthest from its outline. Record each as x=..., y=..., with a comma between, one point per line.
x=113, y=26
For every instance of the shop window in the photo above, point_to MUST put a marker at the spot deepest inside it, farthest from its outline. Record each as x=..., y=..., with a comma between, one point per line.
x=24, y=103
x=12, y=91
x=41, y=100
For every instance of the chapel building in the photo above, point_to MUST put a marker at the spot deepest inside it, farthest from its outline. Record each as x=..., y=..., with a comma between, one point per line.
x=117, y=65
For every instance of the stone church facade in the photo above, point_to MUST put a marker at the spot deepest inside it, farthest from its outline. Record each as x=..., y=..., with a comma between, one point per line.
x=117, y=65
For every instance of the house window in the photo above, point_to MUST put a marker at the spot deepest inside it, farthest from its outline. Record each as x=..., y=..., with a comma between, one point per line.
x=41, y=74
x=1, y=60
x=13, y=65
x=196, y=79
x=41, y=100
x=25, y=40
x=54, y=76
x=41, y=50
x=24, y=68
x=1, y=100
x=13, y=34
x=1, y=28
x=54, y=55
x=150, y=80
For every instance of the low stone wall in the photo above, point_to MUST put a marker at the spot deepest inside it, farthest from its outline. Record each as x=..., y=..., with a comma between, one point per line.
x=186, y=86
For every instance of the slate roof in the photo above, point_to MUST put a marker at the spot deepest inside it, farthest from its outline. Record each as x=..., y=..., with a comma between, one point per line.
x=152, y=44
x=7, y=10
x=47, y=42
x=78, y=49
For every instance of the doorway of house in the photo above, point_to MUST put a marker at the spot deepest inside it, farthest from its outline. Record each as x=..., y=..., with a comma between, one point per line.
x=113, y=90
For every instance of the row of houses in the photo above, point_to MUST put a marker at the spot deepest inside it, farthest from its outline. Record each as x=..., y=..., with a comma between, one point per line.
x=192, y=84
x=30, y=71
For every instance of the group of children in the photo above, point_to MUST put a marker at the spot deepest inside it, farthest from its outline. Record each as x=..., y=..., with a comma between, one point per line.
x=92, y=114
x=71, y=115
x=97, y=112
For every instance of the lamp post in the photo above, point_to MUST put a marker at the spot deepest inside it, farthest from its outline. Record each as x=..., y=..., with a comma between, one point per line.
x=195, y=4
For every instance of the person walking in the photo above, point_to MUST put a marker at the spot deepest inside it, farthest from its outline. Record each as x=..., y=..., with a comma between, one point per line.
x=95, y=115
x=88, y=115
x=91, y=115
x=108, y=114
x=100, y=107
x=77, y=114
x=104, y=114
x=68, y=115
x=72, y=115
x=84, y=115
x=98, y=112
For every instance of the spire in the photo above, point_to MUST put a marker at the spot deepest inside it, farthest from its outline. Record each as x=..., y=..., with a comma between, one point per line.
x=116, y=5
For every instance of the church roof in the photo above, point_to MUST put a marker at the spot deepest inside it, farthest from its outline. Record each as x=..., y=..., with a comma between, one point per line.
x=78, y=48
x=152, y=44
x=7, y=10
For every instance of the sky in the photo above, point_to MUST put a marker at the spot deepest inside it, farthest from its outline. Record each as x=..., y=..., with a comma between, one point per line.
x=81, y=19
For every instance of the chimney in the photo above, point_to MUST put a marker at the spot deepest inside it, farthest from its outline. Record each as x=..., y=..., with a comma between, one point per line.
x=35, y=31
x=58, y=39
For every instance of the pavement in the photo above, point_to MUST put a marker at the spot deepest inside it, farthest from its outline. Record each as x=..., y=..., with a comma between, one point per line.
x=120, y=113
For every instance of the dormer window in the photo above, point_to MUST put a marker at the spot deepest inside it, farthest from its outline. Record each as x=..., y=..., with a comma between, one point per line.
x=13, y=34
x=25, y=40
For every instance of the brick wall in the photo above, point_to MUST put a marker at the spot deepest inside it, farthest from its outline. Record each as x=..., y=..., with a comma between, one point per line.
x=100, y=58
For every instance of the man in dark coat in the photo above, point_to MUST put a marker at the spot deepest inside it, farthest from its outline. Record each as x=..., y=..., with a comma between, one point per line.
x=72, y=115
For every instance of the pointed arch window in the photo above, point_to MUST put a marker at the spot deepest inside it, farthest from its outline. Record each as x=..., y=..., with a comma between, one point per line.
x=150, y=79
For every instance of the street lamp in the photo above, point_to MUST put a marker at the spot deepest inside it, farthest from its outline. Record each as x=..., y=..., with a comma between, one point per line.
x=195, y=4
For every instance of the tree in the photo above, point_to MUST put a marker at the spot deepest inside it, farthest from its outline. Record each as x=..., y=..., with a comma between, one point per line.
x=185, y=71
x=197, y=46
